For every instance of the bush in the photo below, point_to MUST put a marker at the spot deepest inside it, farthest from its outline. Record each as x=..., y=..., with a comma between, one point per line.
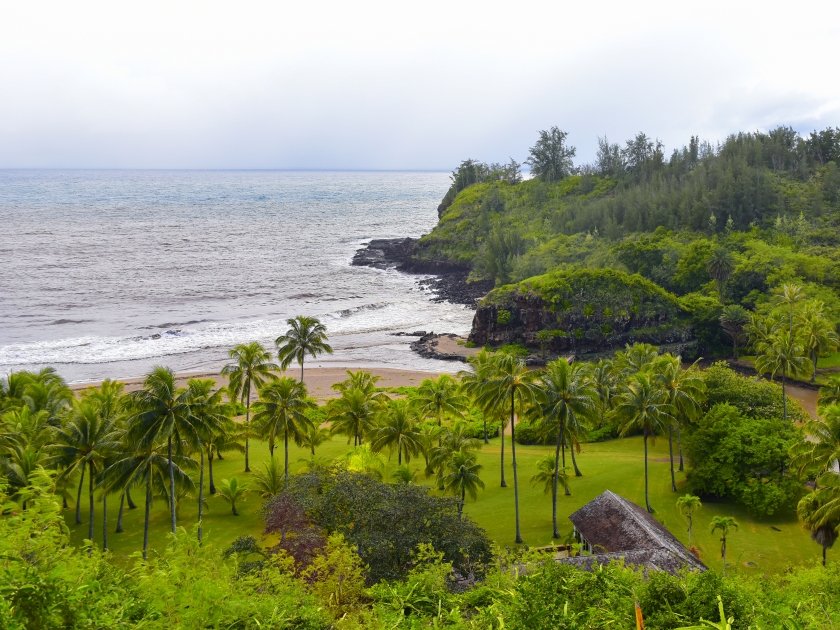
x=601, y=435
x=504, y=317
x=755, y=397
x=527, y=434
x=475, y=429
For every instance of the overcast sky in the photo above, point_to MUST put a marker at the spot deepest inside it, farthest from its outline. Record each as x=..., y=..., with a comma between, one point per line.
x=397, y=85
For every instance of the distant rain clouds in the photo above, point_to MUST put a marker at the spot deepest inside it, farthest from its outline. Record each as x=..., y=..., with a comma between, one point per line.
x=397, y=85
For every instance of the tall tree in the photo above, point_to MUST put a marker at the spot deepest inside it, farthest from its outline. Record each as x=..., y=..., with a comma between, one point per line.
x=398, y=431
x=720, y=266
x=820, y=451
x=733, y=320
x=725, y=525
x=354, y=414
x=439, y=397
x=565, y=404
x=306, y=336
x=550, y=158
x=783, y=353
x=251, y=369
x=463, y=479
x=822, y=526
x=688, y=505
x=644, y=406
x=818, y=334
x=281, y=410
x=473, y=380
x=551, y=478
x=510, y=383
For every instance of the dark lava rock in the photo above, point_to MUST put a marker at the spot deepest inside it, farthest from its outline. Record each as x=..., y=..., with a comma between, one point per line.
x=385, y=253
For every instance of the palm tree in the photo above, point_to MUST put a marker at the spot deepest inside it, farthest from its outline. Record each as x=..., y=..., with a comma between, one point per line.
x=252, y=368
x=508, y=383
x=784, y=352
x=473, y=381
x=603, y=379
x=823, y=527
x=354, y=414
x=636, y=358
x=552, y=479
x=398, y=431
x=566, y=404
x=724, y=524
x=270, y=481
x=790, y=296
x=644, y=406
x=820, y=452
x=441, y=397
x=232, y=491
x=314, y=437
x=403, y=475
x=228, y=438
x=733, y=320
x=86, y=441
x=364, y=460
x=208, y=414
x=306, y=335
x=684, y=389
x=720, y=266
x=282, y=409
x=163, y=412
x=463, y=477
x=687, y=505
x=829, y=393
x=818, y=334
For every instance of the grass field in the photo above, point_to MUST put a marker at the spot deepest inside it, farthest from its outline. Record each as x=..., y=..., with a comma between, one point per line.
x=770, y=544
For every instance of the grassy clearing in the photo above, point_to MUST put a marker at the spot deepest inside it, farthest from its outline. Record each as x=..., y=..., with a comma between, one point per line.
x=771, y=544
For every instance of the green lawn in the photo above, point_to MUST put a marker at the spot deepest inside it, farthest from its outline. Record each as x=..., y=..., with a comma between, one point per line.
x=616, y=465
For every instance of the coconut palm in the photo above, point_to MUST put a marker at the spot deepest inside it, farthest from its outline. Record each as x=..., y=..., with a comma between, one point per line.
x=163, y=413
x=644, y=406
x=403, y=475
x=86, y=441
x=829, y=393
x=314, y=436
x=228, y=438
x=281, y=410
x=364, y=460
x=398, y=431
x=604, y=382
x=440, y=397
x=306, y=336
x=725, y=525
x=360, y=380
x=823, y=528
x=565, y=404
x=720, y=264
x=208, y=413
x=820, y=452
x=790, y=296
x=733, y=320
x=473, y=380
x=463, y=479
x=818, y=335
x=354, y=414
x=636, y=358
x=783, y=353
x=251, y=369
x=232, y=491
x=509, y=383
x=685, y=391
x=552, y=479
x=687, y=505
x=450, y=440
x=270, y=480
x=19, y=466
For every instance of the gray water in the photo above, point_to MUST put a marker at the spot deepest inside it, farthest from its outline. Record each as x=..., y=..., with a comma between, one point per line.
x=108, y=273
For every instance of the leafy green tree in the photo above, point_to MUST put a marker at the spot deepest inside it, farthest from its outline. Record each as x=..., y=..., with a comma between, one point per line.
x=636, y=358
x=783, y=353
x=565, y=405
x=644, y=406
x=687, y=505
x=720, y=266
x=251, y=369
x=818, y=335
x=509, y=383
x=725, y=525
x=463, y=478
x=233, y=492
x=550, y=158
x=306, y=336
x=440, y=397
x=271, y=479
x=820, y=451
x=162, y=413
x=398, y=431
x=733, y=320
x=281, y=410
x=314, y=436
x=829, y=393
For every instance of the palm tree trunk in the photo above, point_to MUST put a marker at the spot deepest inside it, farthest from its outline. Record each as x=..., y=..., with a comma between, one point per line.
x=513, y=457
x=399, y=455
x=286, y=445
x=210, y=471
x=119, y=529
x=556, y=531
x=271, y=447
x=690, y=523
x=79, y=497
x=814, y=360
x=647, y=495
x=301, y=369
x=486, y=441
x=824, y=556
x=90, y=496
x=64, y=505
x=131, y=504
x=671, y=456
x=504, y=483
x=723, y=553
x=171, y=483
x=200, y=491
x=148, y=508
x=104, y=522
x=247, y=428
x=461, y=508
x=784, y=397
x=574, y=461
x=679, y=446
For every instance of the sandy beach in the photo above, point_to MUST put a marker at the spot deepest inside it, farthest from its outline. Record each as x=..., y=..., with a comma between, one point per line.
x=319, y=381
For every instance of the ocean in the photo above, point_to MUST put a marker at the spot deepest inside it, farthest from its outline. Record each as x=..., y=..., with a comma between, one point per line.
x=105, y=274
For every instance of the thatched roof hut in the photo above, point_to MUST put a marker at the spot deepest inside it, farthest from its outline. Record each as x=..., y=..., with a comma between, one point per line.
x=613, y=528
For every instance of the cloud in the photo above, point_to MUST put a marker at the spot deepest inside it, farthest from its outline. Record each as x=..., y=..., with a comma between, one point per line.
x=394, y=85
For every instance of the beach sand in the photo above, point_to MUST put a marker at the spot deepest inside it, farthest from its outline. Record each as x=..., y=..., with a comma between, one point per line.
x=318, y=381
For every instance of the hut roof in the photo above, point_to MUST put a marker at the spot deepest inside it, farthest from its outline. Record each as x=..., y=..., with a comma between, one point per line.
x=617, y=528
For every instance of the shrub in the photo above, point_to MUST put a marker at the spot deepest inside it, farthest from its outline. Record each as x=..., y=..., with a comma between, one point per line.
x=504, y=317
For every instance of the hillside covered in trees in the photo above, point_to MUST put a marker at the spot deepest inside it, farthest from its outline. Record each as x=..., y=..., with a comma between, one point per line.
x=712, y=225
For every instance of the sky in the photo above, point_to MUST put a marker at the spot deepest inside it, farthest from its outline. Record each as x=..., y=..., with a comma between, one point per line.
x=397, y=85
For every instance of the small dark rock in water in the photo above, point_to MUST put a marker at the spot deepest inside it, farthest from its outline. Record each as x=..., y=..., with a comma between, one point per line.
x=416, y=333
x=385, y=253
